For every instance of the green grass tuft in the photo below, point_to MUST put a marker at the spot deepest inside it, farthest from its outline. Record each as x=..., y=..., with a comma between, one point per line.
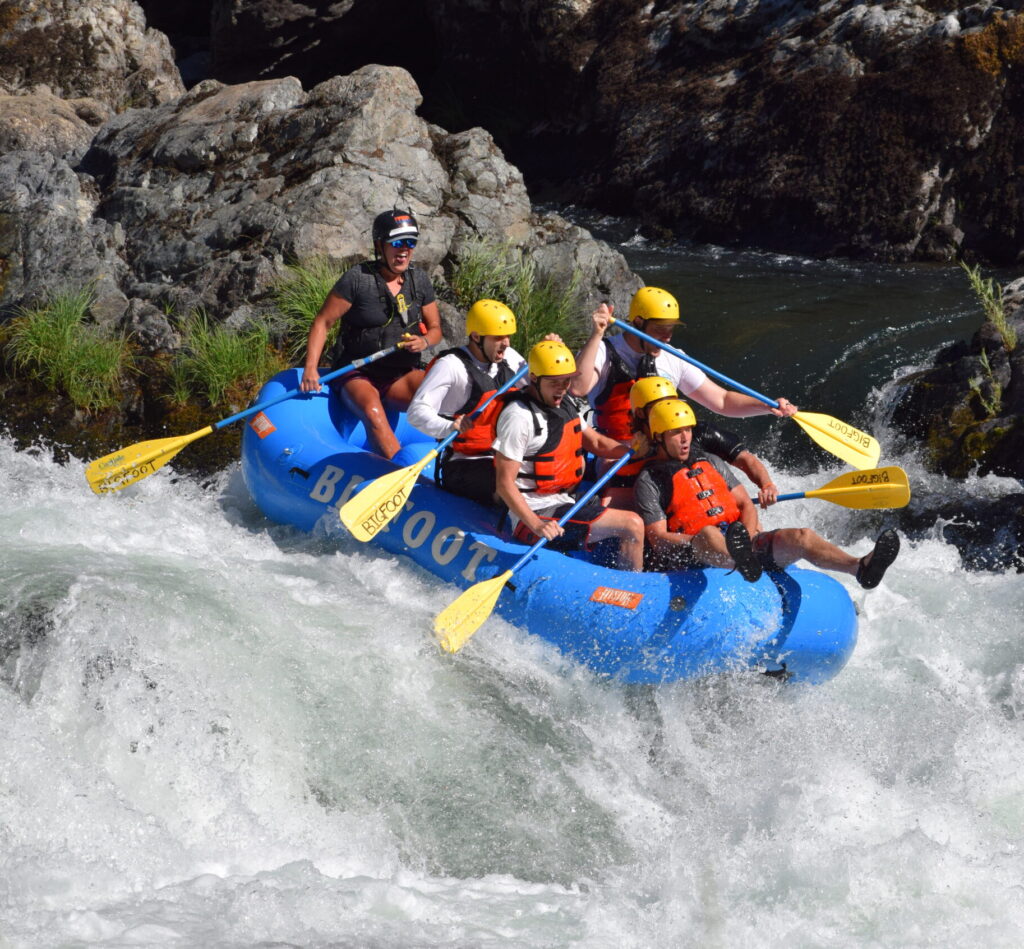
x=54, y=344
x=501, y=271
x=220, y=364
x=990, y=294
x=299, y=296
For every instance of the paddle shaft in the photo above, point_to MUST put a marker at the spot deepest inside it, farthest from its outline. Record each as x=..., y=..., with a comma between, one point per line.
x=586, y=496
x=291, y=393
x=721, y=377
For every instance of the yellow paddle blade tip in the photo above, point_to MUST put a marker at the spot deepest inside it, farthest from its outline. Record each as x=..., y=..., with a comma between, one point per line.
x=853, y=446
x=454, y=625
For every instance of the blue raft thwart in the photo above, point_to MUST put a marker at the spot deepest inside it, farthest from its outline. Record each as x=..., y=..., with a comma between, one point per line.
x=304, y=457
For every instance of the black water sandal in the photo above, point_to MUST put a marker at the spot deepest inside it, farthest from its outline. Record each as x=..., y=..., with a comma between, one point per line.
x=737, y=542
x=870, y=574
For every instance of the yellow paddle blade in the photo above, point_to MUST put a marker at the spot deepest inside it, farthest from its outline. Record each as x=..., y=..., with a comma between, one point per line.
x=374, y=506
x=855, y=447
x=875, y=489
x=459, y=620
x=126, y=466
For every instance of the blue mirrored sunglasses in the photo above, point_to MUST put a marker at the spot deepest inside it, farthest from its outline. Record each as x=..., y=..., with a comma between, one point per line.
x=409, y=242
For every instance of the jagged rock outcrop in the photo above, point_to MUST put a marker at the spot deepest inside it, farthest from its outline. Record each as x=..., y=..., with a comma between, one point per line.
x=889, y=130
x=84, y=49
x=845, y=128
x=198, y=202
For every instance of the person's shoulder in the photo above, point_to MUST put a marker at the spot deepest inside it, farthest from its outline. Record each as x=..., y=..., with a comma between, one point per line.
x=357, y=275
x=448, y=364
x=675, y=368
x=646, y=476
x=421, y=280
x=514, y=421
x=364, y=268
x=515, y=408
x=514, y=358
x=618, y=342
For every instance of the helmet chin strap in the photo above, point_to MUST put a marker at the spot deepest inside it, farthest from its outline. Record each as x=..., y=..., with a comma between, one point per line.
x=382, y=264
x=477, y=346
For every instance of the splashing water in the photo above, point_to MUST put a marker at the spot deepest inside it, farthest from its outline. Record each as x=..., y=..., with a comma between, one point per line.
x=217, y=732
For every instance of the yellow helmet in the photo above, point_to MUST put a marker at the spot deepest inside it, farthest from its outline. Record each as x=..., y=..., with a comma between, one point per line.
x=650, y=303
x=669, y=415
x=549, y=358
x=490, y=318
x=650, y=389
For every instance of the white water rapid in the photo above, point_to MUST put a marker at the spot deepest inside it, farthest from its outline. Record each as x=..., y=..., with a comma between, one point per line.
x=215, y=732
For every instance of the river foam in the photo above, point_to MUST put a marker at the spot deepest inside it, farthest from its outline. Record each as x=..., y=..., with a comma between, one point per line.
x=219, y=732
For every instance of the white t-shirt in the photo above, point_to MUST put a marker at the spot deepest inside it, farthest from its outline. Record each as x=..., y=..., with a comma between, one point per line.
x=516, y=440
x=445, y=390
x=680, y=373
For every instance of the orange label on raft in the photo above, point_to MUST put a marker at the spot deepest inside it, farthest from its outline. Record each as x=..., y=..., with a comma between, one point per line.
x=624, y=598
x=261, y=425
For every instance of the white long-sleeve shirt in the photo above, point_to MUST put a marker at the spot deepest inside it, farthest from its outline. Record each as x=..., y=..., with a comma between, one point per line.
x=445, y=390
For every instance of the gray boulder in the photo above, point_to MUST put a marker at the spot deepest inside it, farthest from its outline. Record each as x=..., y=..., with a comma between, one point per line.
x=49, y=239
x=198, y=202
x=99, y=49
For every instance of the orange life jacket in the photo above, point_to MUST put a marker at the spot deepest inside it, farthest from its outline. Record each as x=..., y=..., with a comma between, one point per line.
x=698, y=495
x=558, y=464
x=612, y=403
x=477, y=440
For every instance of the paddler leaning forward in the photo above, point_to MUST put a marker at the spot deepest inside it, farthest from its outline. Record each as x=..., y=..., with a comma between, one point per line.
x=538, y=457
x=459, y=381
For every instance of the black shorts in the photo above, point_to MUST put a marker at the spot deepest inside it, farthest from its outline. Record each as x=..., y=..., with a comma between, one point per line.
x=381, y=378
x=577, y=530
x=679, y=558
x=472, y=478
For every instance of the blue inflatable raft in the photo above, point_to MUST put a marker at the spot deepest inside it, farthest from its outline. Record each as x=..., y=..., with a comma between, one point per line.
x=304, y=457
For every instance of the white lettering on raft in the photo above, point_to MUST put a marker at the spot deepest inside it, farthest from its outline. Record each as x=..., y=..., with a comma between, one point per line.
x=417, y=530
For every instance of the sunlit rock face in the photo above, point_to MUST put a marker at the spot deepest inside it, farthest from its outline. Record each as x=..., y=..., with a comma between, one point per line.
x=878, y=130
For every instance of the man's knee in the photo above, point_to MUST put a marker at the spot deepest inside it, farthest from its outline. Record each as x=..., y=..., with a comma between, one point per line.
x=631, y=525
x=803, y=537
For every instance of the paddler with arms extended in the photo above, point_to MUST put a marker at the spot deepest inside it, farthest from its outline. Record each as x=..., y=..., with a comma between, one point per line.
x=697, y=513
x=539, y=446
x=609, y=367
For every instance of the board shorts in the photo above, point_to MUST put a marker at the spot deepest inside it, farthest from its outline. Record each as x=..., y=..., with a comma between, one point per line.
x=577, y=529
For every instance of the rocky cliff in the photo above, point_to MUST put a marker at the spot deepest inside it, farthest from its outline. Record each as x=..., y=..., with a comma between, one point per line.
x=889, y=130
